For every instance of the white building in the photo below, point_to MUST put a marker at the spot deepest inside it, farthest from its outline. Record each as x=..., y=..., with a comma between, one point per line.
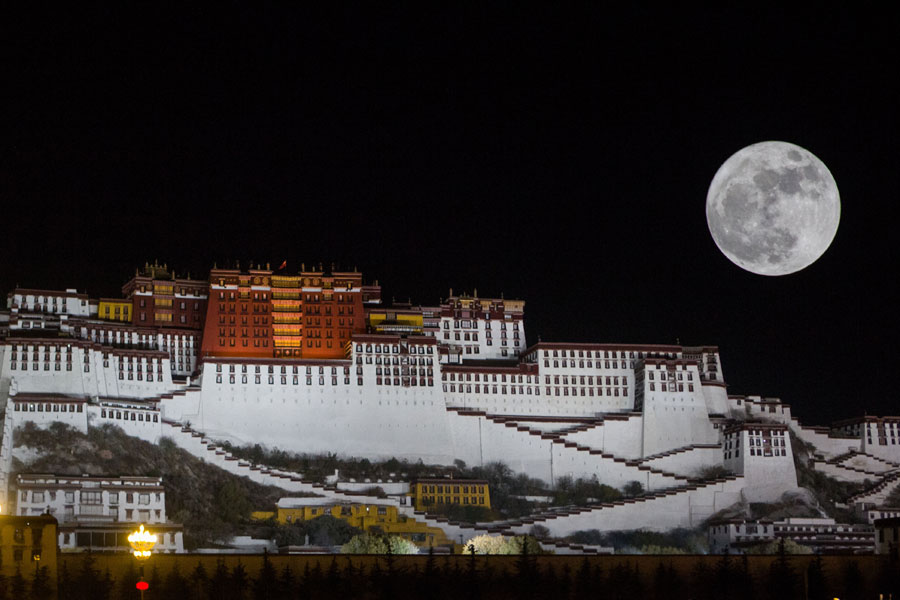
x=762, y=453
x=823, y=535
x=98, y=513
x=54, y=302
x=85, y=498
x=482, y=328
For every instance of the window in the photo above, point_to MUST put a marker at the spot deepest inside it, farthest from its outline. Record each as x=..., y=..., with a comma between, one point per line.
x=91, y=498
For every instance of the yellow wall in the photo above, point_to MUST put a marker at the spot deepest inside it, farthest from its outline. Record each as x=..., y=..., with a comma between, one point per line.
x=107, y=310
x=23, y=548
x=450, y=491
x=376, y=319
x=364, y=516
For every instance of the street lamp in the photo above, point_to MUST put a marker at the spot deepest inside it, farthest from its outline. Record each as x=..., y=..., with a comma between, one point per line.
x=142, y=542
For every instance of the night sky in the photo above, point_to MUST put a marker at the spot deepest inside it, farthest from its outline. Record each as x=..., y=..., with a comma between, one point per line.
x=562, y=157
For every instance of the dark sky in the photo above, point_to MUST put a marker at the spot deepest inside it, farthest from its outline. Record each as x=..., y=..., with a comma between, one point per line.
x=562, y=157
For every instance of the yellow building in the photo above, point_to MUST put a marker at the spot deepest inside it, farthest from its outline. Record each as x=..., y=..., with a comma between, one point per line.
x=114, y=310
x=367, y=517
x=434, y=492
x=27, y=543
x=396, y=321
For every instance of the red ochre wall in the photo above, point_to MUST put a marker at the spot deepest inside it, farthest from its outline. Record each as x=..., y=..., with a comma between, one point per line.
x=240, y=322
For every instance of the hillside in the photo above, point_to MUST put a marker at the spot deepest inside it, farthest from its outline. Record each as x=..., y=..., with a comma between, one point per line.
x=211, y=503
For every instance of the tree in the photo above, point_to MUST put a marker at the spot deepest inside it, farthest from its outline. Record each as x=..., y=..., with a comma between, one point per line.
x=175, y=583
x=198, y=580
x=88, y=580
x=231, y=502
x=126, y=582
x=17, y=584
x=786, y=545
x=219, y=585
x=633, y=488
x=782, y=582
x=497, y=544
x=239, y=581
x=266, y=582
x=817, y=586
x=40, y=584
x=374, y=543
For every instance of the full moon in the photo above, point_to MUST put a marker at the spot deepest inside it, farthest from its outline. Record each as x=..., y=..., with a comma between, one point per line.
x=773, y=208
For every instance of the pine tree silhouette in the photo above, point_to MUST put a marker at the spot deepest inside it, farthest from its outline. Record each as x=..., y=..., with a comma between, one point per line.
x=583, y=580
x=266, y=582
x=854, y=585
x=107, y=585
x=88, y=580
x=40, y=584
x=175, y=583
x=219, y=584
x=746, y=588
x=239, y=581
x=783, y=583
x=155, y=579
x=287, y=583
x=199, y=581
x=64, y=582
x=816, y=586
x=723, y=577
x=17, y=584
x=128, y=578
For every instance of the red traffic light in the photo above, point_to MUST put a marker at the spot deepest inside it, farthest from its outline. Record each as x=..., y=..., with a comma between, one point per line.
x=142, y=585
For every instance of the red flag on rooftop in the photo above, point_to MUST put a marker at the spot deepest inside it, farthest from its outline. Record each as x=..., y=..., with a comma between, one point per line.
x=283, y=265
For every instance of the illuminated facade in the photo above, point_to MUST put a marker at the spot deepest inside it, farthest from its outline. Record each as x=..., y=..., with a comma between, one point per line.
x=160, y=299
x=427, y=493
x=110, y=309
x=370, y=518
x=312, y=362
x=27, y=543
x=262, y=313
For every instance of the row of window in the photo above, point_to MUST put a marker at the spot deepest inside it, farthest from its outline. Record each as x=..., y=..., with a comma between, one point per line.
x=54, y=407
x=673, y=376
x=35, y=349
x=597, y=354
x=527, y=390
x=283, y=369
x=406, y=371
x=433, y=500
x=671, y=387
x=395, y=349
x=454, y=489
x=493, y=377
x=295, y=380
x=133, y=415
x=87, y=497
x=467, y=324
x=405, y=360
x=404, y=381
x=257, y=320
x=24, y=367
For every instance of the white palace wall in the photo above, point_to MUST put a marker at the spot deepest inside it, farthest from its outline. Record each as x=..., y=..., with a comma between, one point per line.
x=618, y=435
x=76, y=368
x=352, y=420
x=688, y=462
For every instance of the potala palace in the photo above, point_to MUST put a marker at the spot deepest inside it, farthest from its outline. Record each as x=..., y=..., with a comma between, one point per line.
x=314, y=362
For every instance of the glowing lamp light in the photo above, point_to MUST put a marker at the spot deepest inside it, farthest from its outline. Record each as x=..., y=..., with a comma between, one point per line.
x=142, y=585
x=142, y=542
